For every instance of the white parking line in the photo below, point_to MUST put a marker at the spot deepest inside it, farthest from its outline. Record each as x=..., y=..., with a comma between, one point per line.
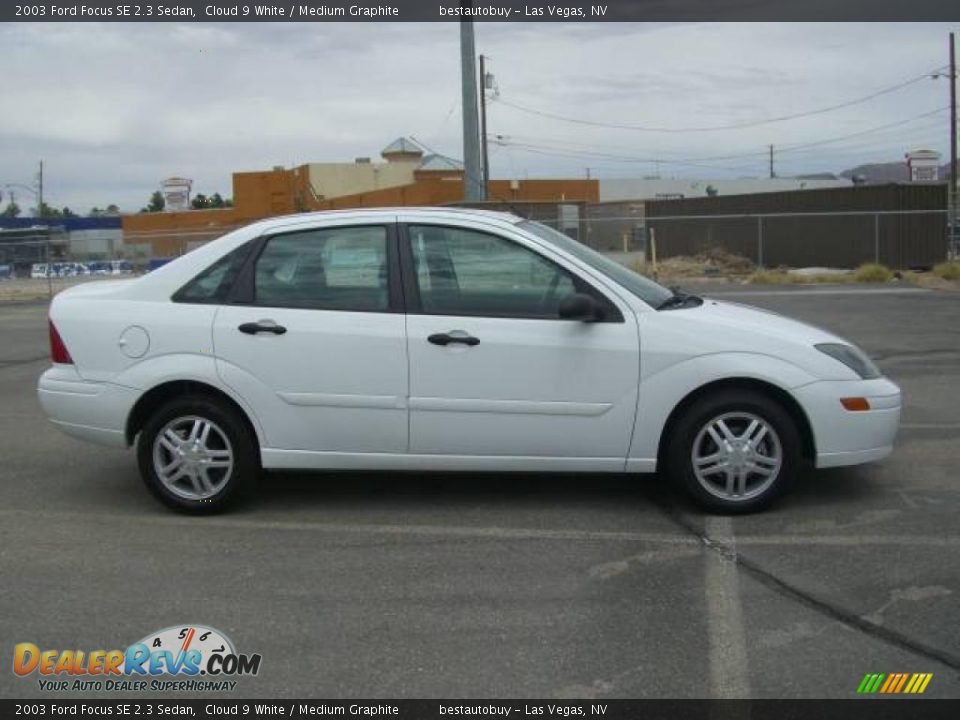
x=728, y=648
x=57, y=518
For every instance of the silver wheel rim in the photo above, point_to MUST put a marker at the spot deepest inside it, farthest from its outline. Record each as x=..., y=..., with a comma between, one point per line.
x=737, y=456
x=192, y=457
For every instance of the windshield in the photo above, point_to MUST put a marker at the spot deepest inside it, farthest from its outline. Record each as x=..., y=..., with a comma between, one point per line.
x=644, y=288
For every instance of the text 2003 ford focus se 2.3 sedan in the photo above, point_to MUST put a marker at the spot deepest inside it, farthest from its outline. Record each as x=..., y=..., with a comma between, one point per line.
x=442, y=339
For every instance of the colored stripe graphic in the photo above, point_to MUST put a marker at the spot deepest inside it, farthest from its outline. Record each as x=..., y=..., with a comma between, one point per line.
x=903, y=679
x=894, y=683
x=891, y=680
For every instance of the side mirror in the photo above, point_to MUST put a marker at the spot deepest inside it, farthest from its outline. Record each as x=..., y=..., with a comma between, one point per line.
x=580, y=307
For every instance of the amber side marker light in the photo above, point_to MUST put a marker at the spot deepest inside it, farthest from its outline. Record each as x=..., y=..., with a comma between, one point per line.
x=855, y=404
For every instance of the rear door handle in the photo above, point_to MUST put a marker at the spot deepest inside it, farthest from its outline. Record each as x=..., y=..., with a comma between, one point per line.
x=447, y=338
x=252, y=328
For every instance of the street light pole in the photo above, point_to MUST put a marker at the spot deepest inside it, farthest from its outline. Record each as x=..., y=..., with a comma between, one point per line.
x=483, y=126
x=953, y=133
x=473, y=189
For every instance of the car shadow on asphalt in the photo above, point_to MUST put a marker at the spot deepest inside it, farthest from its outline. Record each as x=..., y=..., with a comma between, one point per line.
x=813, y=489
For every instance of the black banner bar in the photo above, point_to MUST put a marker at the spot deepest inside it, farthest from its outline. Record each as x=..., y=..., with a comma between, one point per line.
x=861, y=709
x=479, y=10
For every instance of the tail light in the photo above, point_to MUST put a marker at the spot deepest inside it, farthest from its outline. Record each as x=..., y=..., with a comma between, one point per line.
x=58, y=351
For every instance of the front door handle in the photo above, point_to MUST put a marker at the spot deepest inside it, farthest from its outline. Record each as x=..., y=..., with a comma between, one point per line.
x=447, y=338
x=252, y=328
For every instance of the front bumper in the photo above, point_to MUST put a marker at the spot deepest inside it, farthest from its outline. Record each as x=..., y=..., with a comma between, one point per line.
x=844, y=437
x=92, y=411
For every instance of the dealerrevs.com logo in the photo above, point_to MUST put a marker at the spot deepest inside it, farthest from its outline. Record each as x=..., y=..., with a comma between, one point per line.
x=185, y=658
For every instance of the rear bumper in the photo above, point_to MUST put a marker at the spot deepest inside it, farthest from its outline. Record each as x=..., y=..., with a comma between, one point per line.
x=844, y=437
x=91, y=411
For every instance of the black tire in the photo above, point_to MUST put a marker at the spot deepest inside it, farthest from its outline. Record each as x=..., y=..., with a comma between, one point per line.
x=735, y=406
x=229, y=432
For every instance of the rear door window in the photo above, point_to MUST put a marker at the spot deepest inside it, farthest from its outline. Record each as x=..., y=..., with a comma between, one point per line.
x=330, y=269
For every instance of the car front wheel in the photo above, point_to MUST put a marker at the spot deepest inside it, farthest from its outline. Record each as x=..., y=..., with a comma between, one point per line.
x=735, y=451
x=196, y=455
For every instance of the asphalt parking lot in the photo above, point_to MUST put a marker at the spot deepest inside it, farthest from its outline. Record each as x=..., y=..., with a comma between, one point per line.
x=473, y=586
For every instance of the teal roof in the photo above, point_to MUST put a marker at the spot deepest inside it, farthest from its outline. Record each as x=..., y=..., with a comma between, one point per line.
x=440, y=162
x=402, y=145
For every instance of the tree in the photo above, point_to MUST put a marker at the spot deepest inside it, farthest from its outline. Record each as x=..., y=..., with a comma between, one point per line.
x=215, y=201
x=11, y=210
x=112, y=210
x=45, y=211
x=157, y=203
x=67, y=212
x=95, y=212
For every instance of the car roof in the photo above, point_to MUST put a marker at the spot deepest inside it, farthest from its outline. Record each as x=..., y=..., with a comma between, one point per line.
x=463, y=213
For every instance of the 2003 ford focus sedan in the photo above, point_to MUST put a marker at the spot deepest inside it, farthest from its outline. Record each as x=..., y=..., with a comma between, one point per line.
x=440, y=339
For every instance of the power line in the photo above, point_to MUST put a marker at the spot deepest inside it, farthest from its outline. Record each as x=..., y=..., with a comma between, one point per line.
x=898, y=123
x=659, y=157
x=611, y=158
x=731, y=126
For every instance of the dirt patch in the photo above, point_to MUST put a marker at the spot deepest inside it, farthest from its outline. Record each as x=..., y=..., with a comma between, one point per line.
x=712, y=265
x=931, y=281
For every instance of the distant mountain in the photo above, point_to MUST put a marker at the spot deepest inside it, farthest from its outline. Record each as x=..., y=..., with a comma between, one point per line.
x=890, y=172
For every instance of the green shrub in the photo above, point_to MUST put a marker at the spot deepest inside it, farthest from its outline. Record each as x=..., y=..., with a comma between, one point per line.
x=873, y=273
x=947, y=270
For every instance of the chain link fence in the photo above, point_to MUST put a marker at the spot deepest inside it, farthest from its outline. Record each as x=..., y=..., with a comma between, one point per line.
x=900, y=239
x=38, y=263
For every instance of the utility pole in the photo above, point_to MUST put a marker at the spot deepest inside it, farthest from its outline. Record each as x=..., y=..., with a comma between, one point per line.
x=483, y=126
x=953, y=134
x=473, y=186
x=40, y=191
x=772, y=173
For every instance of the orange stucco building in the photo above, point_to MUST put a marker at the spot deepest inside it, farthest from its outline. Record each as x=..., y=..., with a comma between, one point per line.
x=406, y=178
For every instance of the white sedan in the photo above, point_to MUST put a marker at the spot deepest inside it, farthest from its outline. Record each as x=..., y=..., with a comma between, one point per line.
x=440, y=339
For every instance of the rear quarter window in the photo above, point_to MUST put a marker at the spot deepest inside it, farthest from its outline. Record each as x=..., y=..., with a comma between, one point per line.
x=213, y=284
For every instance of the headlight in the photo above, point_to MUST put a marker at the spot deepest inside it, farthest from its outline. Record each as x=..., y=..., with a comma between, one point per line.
x=852, y=357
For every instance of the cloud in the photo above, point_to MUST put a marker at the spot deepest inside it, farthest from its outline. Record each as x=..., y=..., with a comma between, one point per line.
x=114, y=108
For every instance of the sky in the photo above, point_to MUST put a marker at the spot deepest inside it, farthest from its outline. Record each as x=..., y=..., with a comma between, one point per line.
x=114, y=108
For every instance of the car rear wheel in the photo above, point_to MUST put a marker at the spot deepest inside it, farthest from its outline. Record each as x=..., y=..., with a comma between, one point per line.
x=197, y=455
x=734, y=451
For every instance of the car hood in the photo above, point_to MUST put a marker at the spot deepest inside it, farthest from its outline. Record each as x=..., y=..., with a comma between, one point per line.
x=746, y=320
x=669, y=337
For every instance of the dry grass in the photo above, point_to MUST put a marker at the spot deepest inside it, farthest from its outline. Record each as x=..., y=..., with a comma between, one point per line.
x=869, y=273
x=718, y=264
x=873, y=273
x=947, y=270
x=782, y=277
x=711, y=264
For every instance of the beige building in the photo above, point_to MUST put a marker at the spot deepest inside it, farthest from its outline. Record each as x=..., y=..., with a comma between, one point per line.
x=401, y=160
